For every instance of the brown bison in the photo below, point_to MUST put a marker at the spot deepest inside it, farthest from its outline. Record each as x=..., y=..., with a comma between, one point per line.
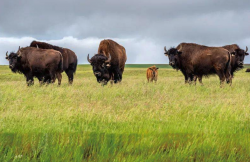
x=33, y=62
x=152, y=73
x=69, y=58
x=110, y=61
x=237, y=59
x=193, y=59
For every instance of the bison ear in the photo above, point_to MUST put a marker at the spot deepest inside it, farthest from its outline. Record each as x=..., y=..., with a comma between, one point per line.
x=7, y=57
x=179, y=52
x=246, y=54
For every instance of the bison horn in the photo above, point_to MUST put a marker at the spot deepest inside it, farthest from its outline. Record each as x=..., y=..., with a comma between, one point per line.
x=88, y=59
x=165, y=49
x=109, y=59
x=37, y=46
x=19, y=52
x=246, y=49
x=180, y=49
x=7, y=54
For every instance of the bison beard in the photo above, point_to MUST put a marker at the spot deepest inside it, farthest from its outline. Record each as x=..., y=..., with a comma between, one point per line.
x=114, y=70
x=69, y=58
x=101, y=69
x=197, y=60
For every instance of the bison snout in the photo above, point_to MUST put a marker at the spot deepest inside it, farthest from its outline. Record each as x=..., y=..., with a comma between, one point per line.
x=97, y=74
x=171, y=63
x=240, y=63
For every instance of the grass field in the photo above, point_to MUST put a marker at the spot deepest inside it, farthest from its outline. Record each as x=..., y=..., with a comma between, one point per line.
x=130, y=121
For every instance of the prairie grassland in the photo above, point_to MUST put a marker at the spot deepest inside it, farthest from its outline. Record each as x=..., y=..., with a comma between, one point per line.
x=130, y=121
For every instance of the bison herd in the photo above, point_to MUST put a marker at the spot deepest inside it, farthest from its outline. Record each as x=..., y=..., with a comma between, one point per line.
x=46, y=62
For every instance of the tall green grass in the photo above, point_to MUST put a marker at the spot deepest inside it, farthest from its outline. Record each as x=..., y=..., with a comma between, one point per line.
x=130, y=121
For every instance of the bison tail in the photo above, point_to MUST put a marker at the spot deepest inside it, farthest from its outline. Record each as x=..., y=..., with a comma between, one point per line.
x=60, y=65
x=75, y=66
x=228, y=66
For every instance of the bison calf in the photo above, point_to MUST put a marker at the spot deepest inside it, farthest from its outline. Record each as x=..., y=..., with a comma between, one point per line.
x=152, y=73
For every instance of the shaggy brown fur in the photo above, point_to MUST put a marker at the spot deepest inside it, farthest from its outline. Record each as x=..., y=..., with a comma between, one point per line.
x=116, y=65
x=152, y=73
x=117, y=52
x=69, y=58
x=239, y=55
x=193, y=59
x=33, y=62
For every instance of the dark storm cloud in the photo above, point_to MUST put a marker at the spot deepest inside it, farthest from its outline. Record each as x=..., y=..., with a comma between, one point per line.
x=151, y=23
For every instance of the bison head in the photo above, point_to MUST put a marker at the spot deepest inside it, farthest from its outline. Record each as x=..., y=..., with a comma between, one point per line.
x=100, y=65
x=154, y=70
x=239, y=55
x=173, y=56
x=14, y=60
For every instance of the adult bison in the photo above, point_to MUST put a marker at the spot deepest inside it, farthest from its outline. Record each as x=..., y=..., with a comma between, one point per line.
x=237, y=59
x=110, y=61
x=33, y=62
x=69, y=58
x=196, y=60
x=152, y=73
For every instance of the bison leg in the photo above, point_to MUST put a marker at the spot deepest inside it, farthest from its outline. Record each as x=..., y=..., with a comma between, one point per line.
x=222, y=77
x=200, y=80
x=229, y=77
x=46, y=79
x=120, y=74
x=29, y=79
x=52, y=75
x=190, y=78
x=59, y=77
x=185, y=76
x=195, y=79
x=70, y=74
x=41, y=81
x=117, y=75
x=155, y=79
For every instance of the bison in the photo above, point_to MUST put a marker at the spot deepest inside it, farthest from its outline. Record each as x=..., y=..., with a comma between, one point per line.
x=69, y=58
x=110, y=61
x=152, y=73
x=237, y=59
x=33, y=62
x=248, y=70
x=196, y=60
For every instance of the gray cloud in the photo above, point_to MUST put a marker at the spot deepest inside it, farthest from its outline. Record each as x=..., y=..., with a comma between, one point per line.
x=142, y=27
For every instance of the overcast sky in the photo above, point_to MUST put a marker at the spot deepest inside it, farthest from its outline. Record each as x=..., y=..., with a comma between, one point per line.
x=143, y=27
